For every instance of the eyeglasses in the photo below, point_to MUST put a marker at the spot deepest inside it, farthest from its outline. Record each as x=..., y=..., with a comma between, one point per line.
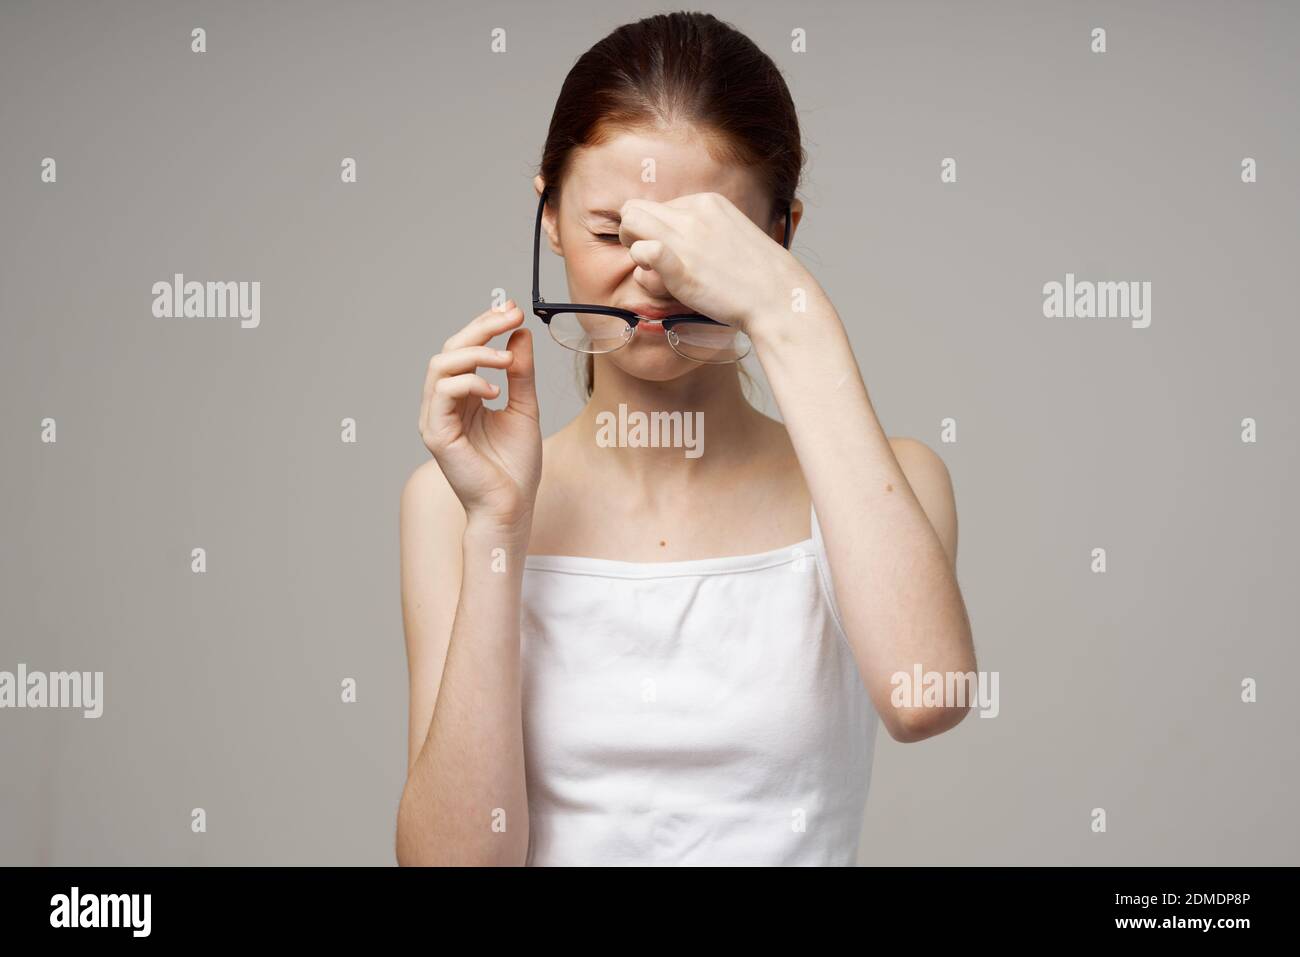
x=596, y=330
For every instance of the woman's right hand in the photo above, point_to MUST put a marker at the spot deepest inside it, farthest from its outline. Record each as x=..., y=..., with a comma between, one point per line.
x=492, y=458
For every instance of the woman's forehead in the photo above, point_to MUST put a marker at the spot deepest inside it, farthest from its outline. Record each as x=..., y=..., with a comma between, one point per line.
x=605, y=176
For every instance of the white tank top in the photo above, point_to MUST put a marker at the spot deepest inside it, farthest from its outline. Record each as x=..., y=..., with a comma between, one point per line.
x=699, y=712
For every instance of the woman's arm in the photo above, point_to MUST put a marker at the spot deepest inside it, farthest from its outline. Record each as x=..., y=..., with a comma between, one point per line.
x=890, y=531
x=465, y=801
x=465, y=522
x=896, y=585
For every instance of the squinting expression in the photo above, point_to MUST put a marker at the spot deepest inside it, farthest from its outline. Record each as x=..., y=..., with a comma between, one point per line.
x=599, y=268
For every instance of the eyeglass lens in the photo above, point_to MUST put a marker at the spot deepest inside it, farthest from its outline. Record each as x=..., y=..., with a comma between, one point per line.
x=597, y=333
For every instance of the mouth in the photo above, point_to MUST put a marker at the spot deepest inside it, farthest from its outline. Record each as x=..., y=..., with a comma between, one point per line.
x=651, y=327
x=656, y=312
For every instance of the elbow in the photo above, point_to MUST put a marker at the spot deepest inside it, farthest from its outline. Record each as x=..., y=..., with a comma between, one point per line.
x=414, y=846
x=405, y=857
x=909, y=725
x=405, y=849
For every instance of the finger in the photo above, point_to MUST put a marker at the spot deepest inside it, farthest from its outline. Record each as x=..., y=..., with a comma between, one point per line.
x=655, y=255
x=521, y=378
x=675, y=214
x=442, y=402
x=468, y=359
x=638, y=221
x=652, y=283
x=452, y=363
x=480, y=329
x=696, y=205
x=449, y=393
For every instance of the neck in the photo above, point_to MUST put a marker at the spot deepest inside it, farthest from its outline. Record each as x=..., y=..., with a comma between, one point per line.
x=714, y=428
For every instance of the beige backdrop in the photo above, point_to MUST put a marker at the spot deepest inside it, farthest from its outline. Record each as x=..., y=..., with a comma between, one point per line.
x=1119, y=690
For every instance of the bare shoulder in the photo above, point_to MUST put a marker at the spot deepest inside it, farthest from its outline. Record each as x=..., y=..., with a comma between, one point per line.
x=431, y=525
x=428, y=499
x=928, y=475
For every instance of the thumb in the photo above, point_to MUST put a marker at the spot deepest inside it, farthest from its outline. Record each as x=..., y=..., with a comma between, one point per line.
x=521, y=379
x=657, y=265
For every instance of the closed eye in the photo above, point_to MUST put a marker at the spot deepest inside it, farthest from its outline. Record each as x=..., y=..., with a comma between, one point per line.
x=607, y=237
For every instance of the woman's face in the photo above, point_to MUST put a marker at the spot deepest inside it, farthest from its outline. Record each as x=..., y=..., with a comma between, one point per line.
x=600, y=269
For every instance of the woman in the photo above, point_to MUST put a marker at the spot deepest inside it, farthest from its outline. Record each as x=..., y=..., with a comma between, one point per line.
x=622, y=653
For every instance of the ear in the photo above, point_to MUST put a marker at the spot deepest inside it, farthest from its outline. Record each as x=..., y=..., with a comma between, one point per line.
x=550, y=222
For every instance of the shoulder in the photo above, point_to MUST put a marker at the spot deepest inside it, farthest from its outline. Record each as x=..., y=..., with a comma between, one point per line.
x=429, y=506
x=931, y=482
x=427, y=481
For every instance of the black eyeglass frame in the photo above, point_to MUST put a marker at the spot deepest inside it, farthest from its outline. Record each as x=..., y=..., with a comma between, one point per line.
x=544, y=310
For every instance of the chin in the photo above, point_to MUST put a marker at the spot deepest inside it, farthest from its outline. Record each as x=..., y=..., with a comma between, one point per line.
x=651, y=362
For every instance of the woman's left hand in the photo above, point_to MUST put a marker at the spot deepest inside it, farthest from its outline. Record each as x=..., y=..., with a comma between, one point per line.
x=708, y=255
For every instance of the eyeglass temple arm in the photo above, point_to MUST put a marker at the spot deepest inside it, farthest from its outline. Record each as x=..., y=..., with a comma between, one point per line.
x=537, y=238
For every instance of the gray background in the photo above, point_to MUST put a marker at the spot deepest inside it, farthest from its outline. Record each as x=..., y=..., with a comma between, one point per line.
x=1119, y=691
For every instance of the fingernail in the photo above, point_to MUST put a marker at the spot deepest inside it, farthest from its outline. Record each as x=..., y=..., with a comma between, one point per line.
x=503, y=353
